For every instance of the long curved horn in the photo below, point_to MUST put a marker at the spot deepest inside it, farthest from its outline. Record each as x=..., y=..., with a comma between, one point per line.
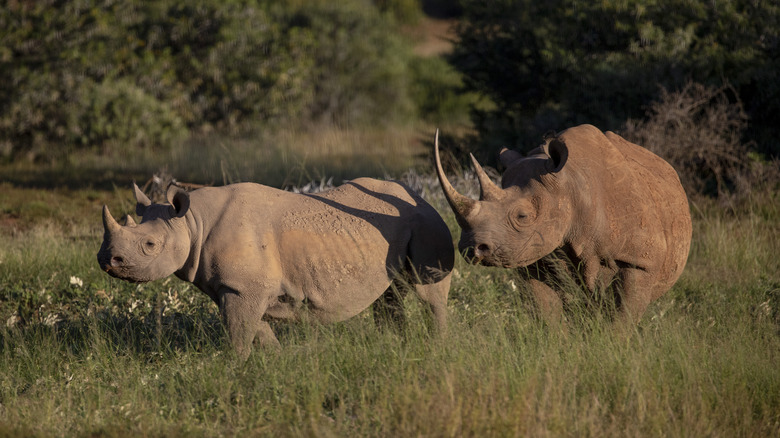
x=109, y=223
x=488, y=190
x=461, y=205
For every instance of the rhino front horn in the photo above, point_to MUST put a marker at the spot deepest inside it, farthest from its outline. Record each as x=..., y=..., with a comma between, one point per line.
x=461, y=205
x=109, y=223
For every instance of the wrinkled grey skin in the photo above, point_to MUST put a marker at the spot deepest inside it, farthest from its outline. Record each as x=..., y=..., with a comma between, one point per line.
x=262, y=253
x=585, y=205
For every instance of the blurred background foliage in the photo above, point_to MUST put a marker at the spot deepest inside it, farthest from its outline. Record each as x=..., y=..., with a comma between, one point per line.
x=102, y=78
x=104, y=74
x=553, y=64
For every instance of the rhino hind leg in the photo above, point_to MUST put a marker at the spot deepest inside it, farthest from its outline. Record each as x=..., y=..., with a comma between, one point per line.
x=435, y=296
x=244, y=323
x=388, y=309
x=431, y=259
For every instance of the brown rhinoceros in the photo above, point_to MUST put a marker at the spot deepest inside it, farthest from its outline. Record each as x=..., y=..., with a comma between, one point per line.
x=261, y=252
x=585, y=205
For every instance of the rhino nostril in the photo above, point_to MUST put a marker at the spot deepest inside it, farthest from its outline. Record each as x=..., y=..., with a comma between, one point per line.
x=482, y=250
x=117, y=261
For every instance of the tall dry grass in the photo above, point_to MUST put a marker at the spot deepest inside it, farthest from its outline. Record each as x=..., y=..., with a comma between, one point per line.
x=103, y=357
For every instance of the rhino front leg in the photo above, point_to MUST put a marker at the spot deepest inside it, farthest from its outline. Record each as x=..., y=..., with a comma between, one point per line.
x=243, y=317
x=635, y=295
x=548, y=302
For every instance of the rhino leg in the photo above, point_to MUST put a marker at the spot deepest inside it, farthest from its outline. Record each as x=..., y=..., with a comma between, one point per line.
x=429, y=265
x=242, y=314
x=636, y=294
x=548, y=302
x=388, y=309
x=435, y=296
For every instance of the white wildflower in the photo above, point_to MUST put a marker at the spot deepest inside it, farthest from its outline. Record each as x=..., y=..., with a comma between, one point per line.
x=13, y=320
x=75, y=281
x=52, y=319
x=134, y=305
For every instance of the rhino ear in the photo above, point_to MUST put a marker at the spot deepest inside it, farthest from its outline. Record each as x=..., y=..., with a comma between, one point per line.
x=508, y=157
x=558, y=153
x=179, y=200
x=142, y=201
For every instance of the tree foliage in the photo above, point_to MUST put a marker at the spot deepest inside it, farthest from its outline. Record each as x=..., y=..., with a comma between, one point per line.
x=550, y=65
x=99, y=74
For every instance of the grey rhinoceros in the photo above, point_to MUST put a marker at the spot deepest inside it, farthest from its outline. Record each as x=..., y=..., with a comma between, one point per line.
x=585, y=205
x=259, y=252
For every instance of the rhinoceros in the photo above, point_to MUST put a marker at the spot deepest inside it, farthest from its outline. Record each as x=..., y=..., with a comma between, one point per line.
x=260, y=252
x=586, y=206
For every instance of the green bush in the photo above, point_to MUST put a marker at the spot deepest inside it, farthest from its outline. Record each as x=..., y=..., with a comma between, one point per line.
x=405, y=11
x=96, y=74
x=437, y=92
x=550, y=65
x=359, y=71
x=122, y=114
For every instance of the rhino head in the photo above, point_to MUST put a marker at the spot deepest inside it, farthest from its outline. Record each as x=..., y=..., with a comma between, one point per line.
x=522, y=222
x=153, y=249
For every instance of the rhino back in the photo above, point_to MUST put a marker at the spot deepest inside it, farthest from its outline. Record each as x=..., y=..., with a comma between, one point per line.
x=638, y=211
x=231, y=229
x=342, y=248
x=662, y=187
x=338, y=250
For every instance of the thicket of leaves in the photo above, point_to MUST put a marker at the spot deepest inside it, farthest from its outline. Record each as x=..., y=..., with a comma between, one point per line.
x=554, y=64
x=699, y=131
x=105, y=74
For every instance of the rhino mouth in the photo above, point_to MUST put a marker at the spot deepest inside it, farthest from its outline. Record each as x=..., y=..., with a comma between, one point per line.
x=122, y=273
x=500, y=258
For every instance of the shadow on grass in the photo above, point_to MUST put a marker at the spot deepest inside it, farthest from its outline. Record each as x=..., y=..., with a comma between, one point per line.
x=149, y=337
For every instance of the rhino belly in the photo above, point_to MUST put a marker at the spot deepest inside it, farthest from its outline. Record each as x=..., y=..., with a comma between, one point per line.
x=337, y=274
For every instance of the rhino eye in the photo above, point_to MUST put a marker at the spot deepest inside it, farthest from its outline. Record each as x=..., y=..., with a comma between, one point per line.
x=149, y=247
x=519, y=218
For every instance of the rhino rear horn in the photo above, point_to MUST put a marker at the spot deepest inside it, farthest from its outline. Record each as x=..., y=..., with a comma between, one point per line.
x=489, y=191
x=142, y=201
x=109, y=223
x=461, y=205
x=129, y=222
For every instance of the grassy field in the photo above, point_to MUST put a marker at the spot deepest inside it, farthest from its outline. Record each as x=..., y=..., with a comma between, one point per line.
x=84, y=354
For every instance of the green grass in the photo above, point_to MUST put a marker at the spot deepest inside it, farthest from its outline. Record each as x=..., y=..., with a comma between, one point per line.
x=91, y=355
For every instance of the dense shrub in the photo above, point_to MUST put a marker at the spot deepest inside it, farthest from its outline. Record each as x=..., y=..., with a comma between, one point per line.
x=360, y=64
x=699, y=131
x=405, y=11
x=550, y=65
x=102, y=73
x=437, y=92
